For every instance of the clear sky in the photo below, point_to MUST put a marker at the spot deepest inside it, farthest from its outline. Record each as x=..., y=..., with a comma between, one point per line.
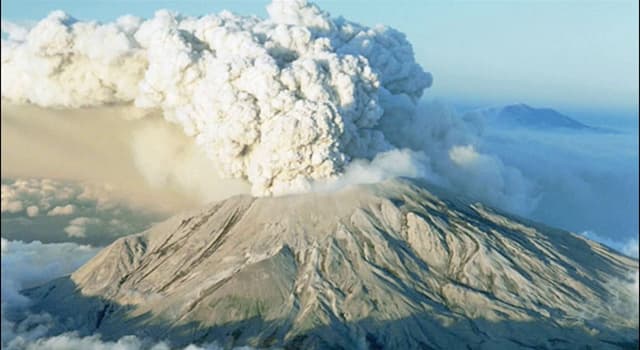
x=571, y=55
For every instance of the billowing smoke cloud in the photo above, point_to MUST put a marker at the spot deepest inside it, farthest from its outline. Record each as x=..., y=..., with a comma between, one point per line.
x=166, y=159
x=439, y=145
x=279, y=102
x=450, y=153
x=29, y=264
x=62, y=62
x=288, y=103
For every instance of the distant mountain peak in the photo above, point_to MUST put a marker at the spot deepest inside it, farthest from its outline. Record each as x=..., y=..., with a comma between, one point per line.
x=525, y=115
x=522, y=115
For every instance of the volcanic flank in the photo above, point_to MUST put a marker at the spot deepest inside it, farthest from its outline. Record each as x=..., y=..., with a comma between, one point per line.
x=395, y=265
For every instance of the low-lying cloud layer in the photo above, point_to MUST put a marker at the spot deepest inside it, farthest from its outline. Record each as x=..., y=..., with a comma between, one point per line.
x=583, y=180
x=57, y=211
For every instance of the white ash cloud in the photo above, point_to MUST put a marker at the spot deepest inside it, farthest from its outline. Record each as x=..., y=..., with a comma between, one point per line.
x=624, y=297
x=165, y=160
x=450, y=151
x=280, y=102
x=295, y=102
x=383, y=166
x=289, y=102
x=63, y=62
x=148, y=161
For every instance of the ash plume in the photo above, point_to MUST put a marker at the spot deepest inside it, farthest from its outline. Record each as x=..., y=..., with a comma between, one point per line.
x=280, y=102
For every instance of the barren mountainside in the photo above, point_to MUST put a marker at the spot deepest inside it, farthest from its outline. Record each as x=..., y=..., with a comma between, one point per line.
x=395, y=265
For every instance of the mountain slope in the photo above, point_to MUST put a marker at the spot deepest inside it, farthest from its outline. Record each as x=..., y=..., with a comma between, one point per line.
x=393, y=265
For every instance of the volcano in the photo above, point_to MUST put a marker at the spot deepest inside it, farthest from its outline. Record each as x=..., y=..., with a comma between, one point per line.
x=395, y=265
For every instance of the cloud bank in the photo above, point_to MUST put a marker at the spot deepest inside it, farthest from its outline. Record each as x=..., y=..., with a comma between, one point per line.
x=26, y=265
x=50, y=210
x=583, y=180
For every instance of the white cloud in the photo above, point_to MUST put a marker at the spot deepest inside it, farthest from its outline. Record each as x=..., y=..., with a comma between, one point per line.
x=78, y=226
x=71, y=341
x=27, y=264
x=585, y=180
x=100, y=215
x=32, y=211
x=14, y=31
x=384, y=166
x=47, y=193
x=463, y=155
x=11, y=206
x=62, y=210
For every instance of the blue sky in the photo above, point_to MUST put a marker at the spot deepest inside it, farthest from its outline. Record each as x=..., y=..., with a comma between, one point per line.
x=579, y=56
